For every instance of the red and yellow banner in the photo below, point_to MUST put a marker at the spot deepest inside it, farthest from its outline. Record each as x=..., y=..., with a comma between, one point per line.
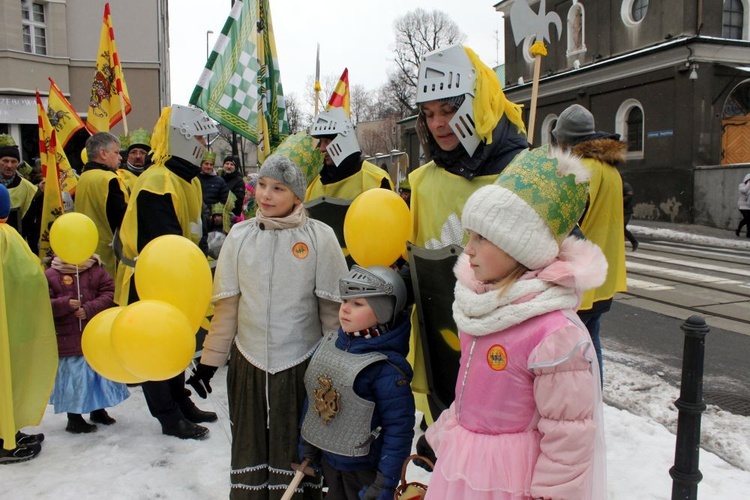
x=61, y=115
x=52, y=206
x=340, y=96
x=109, y=101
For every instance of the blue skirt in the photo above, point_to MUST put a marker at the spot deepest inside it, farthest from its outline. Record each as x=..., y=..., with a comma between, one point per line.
x=79, y=389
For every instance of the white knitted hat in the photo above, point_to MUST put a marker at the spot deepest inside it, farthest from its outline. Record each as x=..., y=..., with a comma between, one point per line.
x=532, y=207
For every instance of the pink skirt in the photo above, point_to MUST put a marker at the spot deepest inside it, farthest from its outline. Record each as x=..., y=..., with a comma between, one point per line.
x=481, y=466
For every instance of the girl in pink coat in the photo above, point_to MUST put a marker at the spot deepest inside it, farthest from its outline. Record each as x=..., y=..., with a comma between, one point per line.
x=526, y=422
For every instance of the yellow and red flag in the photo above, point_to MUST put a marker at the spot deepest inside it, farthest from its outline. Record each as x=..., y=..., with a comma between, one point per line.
x=109, y=101
x=68, y=179
x=52, y=205
x=340, y=96
x=61, y=115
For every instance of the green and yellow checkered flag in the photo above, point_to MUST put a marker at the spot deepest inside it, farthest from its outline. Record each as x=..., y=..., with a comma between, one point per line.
x=241, y=85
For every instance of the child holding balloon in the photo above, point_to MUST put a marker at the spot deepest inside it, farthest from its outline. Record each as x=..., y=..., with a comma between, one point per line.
x=78, y=293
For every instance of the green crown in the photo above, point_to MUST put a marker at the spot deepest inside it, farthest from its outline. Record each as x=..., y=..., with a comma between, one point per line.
x=209, y=156
x=552, y=183
x=6, y=140
x=139, y=136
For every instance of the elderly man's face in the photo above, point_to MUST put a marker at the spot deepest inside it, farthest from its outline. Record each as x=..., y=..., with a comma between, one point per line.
x=137, y=157
x=8, y=166
x=229, y=167
x=110, y=156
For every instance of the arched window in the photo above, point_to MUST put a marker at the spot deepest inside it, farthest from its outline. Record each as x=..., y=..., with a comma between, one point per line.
x=576, y=29
x=630, y=125
x=733, y=19
x=547, y=126
x=634, y=124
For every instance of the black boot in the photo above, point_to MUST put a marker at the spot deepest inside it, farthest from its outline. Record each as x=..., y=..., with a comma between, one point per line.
x=184, y=429
x=196, y=415
x=19, y=453
x=102, y=417
x=23, y=439
x=77, y=425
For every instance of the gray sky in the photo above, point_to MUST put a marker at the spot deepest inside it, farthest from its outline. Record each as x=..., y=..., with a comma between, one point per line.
x=354, y=34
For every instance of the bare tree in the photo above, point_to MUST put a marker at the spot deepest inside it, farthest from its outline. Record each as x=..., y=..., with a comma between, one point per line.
x=417, y=33
x=294, y=113
x=378, y=136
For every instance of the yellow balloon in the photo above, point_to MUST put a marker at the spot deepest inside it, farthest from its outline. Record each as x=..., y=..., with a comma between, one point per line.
x=173, y=269
x=153, y=340
x=84, y=156
x=376, y=228
x=73, y=237
x=97, y=348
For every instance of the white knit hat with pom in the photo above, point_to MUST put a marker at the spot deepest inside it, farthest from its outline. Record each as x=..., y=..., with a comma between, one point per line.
x=533, y=205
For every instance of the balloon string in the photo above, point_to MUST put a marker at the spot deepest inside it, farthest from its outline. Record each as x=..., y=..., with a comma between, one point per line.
x=78, y=283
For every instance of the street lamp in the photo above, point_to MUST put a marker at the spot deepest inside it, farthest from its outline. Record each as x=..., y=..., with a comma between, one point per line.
x=209, y=32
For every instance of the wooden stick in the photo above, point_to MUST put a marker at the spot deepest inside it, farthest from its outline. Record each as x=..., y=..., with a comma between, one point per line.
x=534, y=94
x=124, y=115
x=303, y=470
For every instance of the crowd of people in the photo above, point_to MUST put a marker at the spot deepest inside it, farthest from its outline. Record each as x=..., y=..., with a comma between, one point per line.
x=326, y=363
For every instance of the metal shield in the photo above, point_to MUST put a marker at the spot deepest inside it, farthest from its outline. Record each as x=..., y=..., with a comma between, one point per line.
x=433, y=282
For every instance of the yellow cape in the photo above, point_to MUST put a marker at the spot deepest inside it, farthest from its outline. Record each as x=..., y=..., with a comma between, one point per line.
x=28, y=345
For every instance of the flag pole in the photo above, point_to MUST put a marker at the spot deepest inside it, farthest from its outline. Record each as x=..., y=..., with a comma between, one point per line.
x=124, y=114
x=317, y=80
x=537, y=50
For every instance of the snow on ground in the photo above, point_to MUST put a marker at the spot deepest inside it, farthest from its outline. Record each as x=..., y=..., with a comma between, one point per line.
x=132, y=460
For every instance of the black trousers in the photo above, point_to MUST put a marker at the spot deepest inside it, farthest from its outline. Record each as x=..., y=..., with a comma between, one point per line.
x=744, y=222
x=344, y=485
x=166, y=398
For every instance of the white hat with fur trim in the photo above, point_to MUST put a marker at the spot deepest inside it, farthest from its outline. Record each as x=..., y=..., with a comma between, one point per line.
x=533, y=205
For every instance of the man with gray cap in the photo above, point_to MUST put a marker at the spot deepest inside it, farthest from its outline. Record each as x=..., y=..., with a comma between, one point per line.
x=602, y=222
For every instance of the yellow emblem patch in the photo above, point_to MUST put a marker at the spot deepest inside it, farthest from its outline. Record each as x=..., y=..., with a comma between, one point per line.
x=497, y=359
x=300, y=250
x=326, y=399
x=67, y=280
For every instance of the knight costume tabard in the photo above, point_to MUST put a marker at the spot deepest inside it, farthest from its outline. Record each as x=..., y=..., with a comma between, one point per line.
x=91, y=200
x=187, y=200
x=437, y=200
x=368, y=177
x=337, y=419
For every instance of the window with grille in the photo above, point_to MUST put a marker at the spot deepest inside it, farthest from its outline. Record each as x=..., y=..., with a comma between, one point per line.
x=634, y=127
x=732, y=19
x=639, y=9
x=34, y=26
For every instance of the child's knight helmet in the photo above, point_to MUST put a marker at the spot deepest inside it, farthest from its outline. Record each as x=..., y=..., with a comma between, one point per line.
x=383, y=288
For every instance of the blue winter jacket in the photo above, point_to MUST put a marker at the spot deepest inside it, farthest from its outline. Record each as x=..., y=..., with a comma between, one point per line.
x=388, y=385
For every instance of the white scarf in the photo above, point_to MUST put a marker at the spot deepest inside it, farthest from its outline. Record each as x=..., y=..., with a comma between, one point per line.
x=479, y=309
x=483, y=313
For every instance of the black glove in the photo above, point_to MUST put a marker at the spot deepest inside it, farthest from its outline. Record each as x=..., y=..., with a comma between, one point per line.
x=424, y=449
x=377, y=490
x=200, y=379
x=311, y=452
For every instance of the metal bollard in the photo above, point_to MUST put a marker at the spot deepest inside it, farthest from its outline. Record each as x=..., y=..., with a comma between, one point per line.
x=685, y=473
